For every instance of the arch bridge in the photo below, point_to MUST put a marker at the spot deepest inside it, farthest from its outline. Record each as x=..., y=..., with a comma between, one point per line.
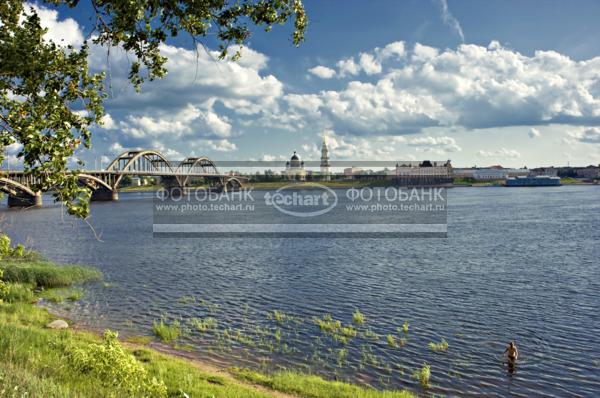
x=104, y=184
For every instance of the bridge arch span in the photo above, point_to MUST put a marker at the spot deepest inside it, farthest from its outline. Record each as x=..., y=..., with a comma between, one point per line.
x=12, y=187
x=93, y=183
x=232, y=184
x=198, y=164
x=139, y=161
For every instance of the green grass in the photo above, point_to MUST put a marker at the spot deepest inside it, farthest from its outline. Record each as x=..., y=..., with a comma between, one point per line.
x=141, y=188
x=60, y=295
x=463, y=181
x=30, y=355
x=314, y=184
x=47, y=275
x=167, y=332
x=313, y=386
x=40, y=362
x=442, y=346
x=18, y=292
x=139, y=340
x=571, y=181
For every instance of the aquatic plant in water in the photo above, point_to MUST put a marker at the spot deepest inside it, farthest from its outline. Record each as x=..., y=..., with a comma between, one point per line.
x=242, y=338
x=277, y=316
x=391, y=341
x=186, y=300
x=405, y=327
x=203, y=325
x=328, y=324
x=277, y=335
x=423, y=375
x=58, y=295
x=358, y=318
x=167, y=332
x=442, y=346
x=341, y=356
x=348, y=331
x=371, y=335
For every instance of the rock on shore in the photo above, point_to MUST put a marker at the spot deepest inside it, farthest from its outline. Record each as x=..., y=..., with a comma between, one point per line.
x=58, y=324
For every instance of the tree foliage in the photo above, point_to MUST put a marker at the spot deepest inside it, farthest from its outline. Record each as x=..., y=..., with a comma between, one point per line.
x=49, y=99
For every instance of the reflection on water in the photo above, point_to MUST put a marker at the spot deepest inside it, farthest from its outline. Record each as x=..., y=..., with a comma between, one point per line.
x=518, y=264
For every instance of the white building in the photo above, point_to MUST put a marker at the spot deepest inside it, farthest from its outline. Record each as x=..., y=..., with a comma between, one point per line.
x=136, y=181
x=350, y=172
x=588, y=172
x=498, y=173
x=464, y=173
x=294, y=169
x=490, y=174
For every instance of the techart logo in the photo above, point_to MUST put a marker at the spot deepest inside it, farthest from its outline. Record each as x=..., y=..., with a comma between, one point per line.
x=304, y=200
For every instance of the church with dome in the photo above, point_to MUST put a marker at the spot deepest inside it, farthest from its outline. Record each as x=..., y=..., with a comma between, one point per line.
x=294, y=169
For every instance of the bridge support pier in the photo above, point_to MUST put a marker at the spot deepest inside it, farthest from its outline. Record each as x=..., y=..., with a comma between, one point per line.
x=25, y=200
x=104, y=195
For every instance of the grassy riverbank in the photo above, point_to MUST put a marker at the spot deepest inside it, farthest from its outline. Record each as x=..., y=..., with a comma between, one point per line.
x=40, y=362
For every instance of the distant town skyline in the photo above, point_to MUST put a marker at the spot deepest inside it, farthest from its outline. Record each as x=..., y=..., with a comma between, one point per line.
x=501, y=82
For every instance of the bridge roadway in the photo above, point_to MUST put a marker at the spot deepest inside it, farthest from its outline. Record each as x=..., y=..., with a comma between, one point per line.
x=22, y=191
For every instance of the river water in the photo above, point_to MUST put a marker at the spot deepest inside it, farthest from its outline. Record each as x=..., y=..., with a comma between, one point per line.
x=518, y=264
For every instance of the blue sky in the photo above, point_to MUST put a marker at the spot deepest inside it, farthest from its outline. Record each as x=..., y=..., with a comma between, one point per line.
x=478, y=82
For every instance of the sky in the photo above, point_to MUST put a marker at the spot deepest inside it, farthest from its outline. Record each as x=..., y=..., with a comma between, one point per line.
x=480, y=83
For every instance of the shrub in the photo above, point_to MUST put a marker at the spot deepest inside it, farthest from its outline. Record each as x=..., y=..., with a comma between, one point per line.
x=7, y=251
x=3, y=287
x=112, y=364
x=4, y=246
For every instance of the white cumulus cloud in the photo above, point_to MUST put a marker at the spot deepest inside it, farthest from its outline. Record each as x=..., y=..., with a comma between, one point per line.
x=221, y=145
x=587, y=135
x=62, y=32
x=438, y=145
x=472, y=86
x=322, y=71
x=501, y=153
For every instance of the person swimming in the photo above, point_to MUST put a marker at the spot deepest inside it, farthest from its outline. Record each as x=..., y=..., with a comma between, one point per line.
x=511, y=352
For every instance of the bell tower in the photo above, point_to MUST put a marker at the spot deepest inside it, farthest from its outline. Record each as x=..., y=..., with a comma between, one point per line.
x=325, y=172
